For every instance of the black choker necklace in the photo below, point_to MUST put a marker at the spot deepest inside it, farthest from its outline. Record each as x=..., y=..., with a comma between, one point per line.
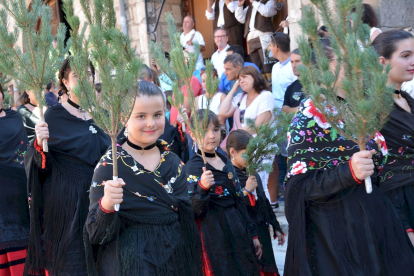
x=208, y=155
x=140, y=148
x=398, y=93
x=80, y=109
x=32, y=104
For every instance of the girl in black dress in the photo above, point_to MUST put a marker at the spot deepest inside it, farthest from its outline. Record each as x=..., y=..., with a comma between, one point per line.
x=256, y=201
x=397, y=49
x=154, y=232
x=228, y=235
x=14, y=212
x=335, y=226
x=58, y=182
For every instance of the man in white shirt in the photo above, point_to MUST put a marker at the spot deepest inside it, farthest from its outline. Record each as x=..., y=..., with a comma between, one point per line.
x=189, y=36
x=220, y=38
x=257, y=17
x=282, y=72
x=222, y=12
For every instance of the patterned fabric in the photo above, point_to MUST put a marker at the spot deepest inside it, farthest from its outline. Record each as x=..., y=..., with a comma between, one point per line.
x=314, y=145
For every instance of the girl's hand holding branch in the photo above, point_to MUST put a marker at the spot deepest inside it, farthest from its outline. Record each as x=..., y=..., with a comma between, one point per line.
x=207, y=179
x=113, y=194
x=251, y=183
x=42, y=132
x=362, y=164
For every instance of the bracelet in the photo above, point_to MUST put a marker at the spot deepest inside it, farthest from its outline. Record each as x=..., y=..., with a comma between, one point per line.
x=252, y=200
x=409, y=230
x=202, y=187
x=103, y=209
x=353, y=174
x=40, y=150
x=247, y=191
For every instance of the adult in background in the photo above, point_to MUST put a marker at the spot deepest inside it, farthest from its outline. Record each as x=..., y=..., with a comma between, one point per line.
x=257, y=17
x=225, y=84
x=220, y=39
x=369, y=17
x=222, y=12
x=396, y=48
x=50, y=96
x=256, y=102
x=232, y=66
x=189, y=36
x=282, y=77
x=282, y=72
x=14, y=212
x=293, y=94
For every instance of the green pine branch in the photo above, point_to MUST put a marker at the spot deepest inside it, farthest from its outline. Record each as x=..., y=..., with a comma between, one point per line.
x=180, y=71
x=36, y=64
x=265, y=144
x=368, y=101
x=111, y=53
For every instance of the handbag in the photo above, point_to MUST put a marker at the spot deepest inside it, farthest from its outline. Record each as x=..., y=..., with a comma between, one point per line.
x=236, y=124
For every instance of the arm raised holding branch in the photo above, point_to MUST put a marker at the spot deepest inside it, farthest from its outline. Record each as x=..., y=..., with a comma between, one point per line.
x=38, y=63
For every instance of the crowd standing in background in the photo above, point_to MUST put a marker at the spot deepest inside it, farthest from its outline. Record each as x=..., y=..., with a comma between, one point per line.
x=182, y=215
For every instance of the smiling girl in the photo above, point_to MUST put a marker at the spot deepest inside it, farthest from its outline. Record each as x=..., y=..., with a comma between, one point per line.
x=396, y=48
x=154, y=232
x=227, y=232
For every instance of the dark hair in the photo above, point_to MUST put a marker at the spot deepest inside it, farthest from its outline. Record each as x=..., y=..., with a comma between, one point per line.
x=325, y=43
x=98, y=87
x=149, y=89
x=64, y=72
x=49, y=85
x=212, y=118
x=236, y=49
x=368, y=15
x=296, y=52
x=145, y=72
x=282, y=41
x=386, y=43
x=1, y=91
x=24, y=98
x=238, y=139
x=214, y=72
x=190, y=17
x=259, y=83
x=219, y=29
x=167, y=94
x=323, y=29
x=235, y=59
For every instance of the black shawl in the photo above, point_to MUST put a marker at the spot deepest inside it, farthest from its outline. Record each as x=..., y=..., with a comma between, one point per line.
x=29, y=121
x=262, y=214
x=14, y=222
x=399, y=135
x=222, y=219
x=58, y=182
x=154, y=232
x=335, y=227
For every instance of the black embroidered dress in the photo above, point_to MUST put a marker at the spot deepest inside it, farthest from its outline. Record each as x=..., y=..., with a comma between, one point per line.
x=225, y=227
x=14, y=212
x=58, y=182
x=262, y=214
x=154, y=232
x=397, y=180
x=335, y=227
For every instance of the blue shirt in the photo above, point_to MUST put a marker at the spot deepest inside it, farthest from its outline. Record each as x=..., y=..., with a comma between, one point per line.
x=225, y=85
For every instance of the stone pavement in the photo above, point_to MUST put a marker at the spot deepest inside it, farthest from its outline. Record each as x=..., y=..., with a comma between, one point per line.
x=280, y=251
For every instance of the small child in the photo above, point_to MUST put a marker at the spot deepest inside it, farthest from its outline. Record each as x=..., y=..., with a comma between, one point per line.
x=227, y=233
x=255, y=199
x=154, y=232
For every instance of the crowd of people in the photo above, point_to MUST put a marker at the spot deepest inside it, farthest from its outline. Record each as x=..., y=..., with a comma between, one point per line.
x=183, y=215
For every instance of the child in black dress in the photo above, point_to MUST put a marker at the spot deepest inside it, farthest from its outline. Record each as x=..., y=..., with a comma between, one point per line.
x=255, y=199
x=228, y=235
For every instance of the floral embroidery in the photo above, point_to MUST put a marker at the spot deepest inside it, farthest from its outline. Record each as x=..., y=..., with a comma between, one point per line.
x=299, y=167
x=219, y=190
x=312, y=112
x=193, y=179
x=93, y=130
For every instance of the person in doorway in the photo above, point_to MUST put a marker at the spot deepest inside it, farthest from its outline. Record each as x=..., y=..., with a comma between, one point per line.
x=220, y=39
x=189, y=36
x=222, y=12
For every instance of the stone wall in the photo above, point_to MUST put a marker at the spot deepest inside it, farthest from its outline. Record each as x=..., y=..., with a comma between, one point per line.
x=175, y=7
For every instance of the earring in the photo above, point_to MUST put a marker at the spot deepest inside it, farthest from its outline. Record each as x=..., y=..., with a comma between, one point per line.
x=232, y=157
x=126, y=132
